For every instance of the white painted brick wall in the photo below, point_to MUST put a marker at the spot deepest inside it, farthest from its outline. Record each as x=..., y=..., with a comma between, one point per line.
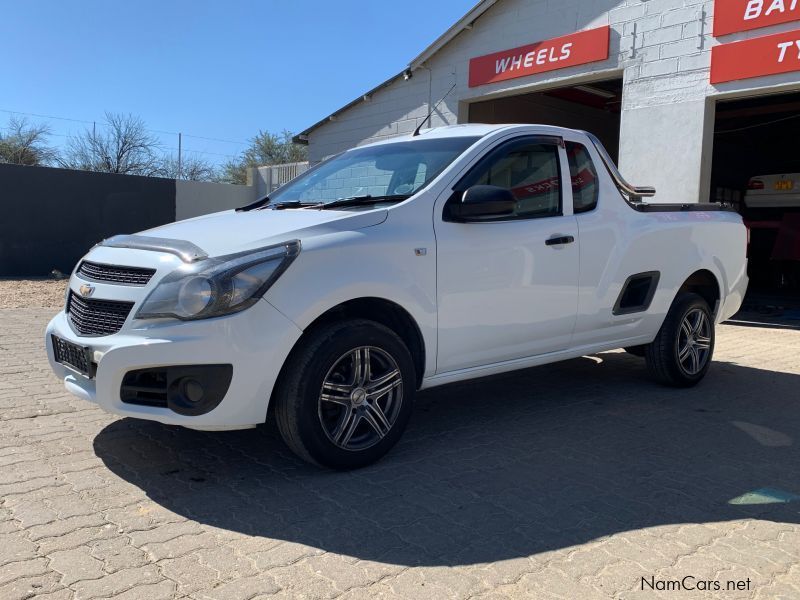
x=662, y=48
x=659, y=67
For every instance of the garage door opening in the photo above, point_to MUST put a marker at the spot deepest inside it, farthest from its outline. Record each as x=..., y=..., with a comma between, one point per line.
x=594, y=107
x=756, y=167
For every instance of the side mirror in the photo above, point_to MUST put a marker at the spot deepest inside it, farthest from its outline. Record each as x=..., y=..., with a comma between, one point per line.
x=482, y=202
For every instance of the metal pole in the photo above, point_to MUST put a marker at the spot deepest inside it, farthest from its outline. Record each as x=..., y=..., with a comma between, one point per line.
x=180, y=171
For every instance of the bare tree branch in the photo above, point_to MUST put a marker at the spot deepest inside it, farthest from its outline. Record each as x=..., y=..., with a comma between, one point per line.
x=126, y=147
x=193, y=168
x=26, y=144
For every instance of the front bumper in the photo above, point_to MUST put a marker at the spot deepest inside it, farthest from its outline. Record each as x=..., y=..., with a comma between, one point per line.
x=255, y=341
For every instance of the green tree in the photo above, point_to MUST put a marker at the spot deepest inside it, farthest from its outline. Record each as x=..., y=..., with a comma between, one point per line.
x=265, y=149
x=26, y=144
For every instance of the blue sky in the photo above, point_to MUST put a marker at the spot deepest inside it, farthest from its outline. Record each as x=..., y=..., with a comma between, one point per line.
x=220, y=69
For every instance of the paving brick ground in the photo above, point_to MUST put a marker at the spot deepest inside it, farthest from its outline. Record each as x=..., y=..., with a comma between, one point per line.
x=570, y=481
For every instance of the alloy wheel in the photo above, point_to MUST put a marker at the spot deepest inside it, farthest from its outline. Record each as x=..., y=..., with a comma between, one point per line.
x=694, y=341
x=360, y=398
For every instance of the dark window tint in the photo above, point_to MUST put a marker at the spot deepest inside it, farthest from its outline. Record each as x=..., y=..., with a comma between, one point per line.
x=531, y=173
x=585, y=188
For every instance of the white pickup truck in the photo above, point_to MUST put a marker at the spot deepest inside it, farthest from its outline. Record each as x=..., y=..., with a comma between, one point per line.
x=461, y=252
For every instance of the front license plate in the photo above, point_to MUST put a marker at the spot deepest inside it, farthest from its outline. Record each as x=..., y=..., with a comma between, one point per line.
x=784, y=186
x=78, y=358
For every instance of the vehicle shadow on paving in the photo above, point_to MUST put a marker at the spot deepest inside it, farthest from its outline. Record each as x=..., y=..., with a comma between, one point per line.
x=496, y=469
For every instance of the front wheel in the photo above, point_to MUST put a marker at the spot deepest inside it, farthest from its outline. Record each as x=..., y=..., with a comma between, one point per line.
x=681, y=353
x=346, y=394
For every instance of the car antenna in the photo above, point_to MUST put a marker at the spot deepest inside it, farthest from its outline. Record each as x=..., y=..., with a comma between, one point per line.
x=431, y=111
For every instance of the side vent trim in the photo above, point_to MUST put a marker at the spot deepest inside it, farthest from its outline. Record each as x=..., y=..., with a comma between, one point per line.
x=637, y=293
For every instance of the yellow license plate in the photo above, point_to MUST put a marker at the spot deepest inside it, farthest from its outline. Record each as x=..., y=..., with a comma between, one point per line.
x=784, y=186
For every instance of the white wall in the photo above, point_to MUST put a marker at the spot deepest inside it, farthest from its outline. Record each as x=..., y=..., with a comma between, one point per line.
x=194, y=198
x=269, y=178
x=662, y=48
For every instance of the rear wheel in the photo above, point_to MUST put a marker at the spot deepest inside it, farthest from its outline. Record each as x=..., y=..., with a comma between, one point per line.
x=346, y=394
x=681, y=353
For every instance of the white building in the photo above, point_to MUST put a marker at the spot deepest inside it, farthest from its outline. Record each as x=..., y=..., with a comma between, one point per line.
x=638, y=73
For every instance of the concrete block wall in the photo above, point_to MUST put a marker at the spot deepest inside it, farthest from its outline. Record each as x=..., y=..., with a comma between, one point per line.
x=667, y=132
x=666, y=122
x=195, y=198
x=266, y=179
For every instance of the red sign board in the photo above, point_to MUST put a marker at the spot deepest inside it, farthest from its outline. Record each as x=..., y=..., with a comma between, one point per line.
x=731, y=16
x=768, y=55
x=567, y=51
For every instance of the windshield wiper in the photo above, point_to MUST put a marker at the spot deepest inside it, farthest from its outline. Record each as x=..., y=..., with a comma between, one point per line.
x=295, y=204
x=340, y=203
x=366, y=199
x=260, y=203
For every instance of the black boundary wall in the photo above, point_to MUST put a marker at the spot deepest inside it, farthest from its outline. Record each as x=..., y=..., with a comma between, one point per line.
x=49, y=218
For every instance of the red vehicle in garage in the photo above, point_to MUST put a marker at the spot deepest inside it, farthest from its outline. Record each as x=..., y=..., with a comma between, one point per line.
x=772, y=214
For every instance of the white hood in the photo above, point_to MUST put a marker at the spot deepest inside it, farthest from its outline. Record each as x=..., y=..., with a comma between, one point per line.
x=230, y=231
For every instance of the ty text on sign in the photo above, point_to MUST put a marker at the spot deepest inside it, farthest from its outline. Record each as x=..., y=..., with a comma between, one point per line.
x=768, y=55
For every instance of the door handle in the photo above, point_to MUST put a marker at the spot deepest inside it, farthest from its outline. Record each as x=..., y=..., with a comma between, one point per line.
x=560, y=240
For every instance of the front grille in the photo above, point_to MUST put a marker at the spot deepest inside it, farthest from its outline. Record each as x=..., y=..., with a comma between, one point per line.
x=115, y=274
x=96, y=317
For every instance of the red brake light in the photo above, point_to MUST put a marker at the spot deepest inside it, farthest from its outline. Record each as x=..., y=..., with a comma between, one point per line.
x=755, y=184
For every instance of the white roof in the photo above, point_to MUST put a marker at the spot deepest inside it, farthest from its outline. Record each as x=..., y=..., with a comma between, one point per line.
x=476, y=130
x=446, y=131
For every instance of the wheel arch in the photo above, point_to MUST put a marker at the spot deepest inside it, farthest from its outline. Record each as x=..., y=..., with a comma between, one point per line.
x=383, y=311
x=705, y=284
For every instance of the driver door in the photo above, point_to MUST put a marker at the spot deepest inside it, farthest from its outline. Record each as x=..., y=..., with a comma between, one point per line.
x=507, y=288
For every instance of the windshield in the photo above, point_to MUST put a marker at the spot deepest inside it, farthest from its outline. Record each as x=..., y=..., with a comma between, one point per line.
x=396, y=169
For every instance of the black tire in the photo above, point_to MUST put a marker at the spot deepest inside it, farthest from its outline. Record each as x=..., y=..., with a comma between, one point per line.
x=636, y=350
x=306, y=422
x=662, y=355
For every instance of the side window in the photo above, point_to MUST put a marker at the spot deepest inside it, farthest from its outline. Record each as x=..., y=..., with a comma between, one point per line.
x=585, y=189
x=530, y=171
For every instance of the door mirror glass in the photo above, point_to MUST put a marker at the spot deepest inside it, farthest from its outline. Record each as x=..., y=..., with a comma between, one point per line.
x=481, y=203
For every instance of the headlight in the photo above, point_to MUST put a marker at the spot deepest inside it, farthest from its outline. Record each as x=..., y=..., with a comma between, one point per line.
x=218, y=286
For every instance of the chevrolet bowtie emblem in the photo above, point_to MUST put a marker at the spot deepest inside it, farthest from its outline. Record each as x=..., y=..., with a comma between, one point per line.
x=86, y=290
